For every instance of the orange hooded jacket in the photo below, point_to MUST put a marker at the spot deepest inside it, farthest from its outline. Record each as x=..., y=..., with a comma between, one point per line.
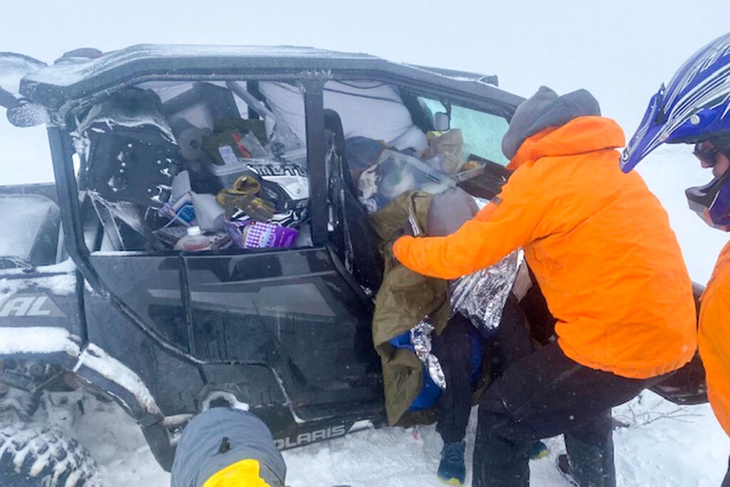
x=714, y=338
x=598, y=242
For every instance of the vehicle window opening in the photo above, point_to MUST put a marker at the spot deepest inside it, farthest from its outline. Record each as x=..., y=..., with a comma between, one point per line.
x=164, y=157
x=378, y=149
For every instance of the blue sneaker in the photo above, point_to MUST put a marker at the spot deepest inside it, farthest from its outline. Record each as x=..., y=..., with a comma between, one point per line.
x=539, y=450
x=452, y=469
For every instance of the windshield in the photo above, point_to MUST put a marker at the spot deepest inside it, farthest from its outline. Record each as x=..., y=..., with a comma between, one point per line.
x=482, y=132
x=26, y=157
x=22, y=217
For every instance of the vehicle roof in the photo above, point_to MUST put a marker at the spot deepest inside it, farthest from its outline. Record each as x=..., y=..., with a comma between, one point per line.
x=74, y=78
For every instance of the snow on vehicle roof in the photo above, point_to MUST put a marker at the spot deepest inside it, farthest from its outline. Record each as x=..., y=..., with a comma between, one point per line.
x=12, y=69
x=76, y=77
x=69, y=71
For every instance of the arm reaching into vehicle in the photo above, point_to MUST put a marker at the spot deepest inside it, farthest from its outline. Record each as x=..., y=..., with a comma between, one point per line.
x=509, y=222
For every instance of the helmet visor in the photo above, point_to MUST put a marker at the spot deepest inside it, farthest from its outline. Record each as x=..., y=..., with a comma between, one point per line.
x=645, y=139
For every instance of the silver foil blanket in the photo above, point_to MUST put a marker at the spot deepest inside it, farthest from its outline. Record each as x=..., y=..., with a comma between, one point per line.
x=481, y=296
x=421, y=341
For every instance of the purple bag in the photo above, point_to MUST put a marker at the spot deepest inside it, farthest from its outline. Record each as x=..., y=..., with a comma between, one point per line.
x=251, y=234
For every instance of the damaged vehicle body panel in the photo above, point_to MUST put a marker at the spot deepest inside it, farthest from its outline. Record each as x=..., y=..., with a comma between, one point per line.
x=284, y=328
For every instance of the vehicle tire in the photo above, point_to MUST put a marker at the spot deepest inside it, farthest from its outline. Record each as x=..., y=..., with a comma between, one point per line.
x=36, y=456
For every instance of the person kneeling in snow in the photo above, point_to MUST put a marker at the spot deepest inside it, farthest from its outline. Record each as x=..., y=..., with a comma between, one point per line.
x=603, y=254
x=224, y=447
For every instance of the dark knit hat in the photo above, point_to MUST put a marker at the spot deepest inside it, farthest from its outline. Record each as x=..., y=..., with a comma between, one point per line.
x=546, y=109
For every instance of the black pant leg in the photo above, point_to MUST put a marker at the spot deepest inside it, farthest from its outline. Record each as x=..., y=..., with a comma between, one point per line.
x=590, y=452
x=726, y=480
x=501, y=450
x=453, y=350
x=540, y=396
x=511, y=341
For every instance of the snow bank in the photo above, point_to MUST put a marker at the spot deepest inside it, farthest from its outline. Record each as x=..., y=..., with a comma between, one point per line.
x=663, y=446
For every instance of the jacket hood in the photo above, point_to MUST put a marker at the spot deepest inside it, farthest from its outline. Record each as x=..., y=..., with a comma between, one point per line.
x=581, y=135
x=546, y=109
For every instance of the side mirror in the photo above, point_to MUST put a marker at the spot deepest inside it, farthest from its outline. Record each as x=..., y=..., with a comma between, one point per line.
x=27, y=114
x=441, y=121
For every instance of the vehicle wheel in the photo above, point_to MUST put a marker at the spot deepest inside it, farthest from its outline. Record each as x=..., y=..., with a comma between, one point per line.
x=34, y=456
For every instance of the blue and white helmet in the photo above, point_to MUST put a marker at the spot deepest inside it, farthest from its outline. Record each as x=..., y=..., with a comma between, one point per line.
x=694, y=106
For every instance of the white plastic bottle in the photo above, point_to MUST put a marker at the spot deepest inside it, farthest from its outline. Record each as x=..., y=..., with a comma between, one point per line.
x=194, y=241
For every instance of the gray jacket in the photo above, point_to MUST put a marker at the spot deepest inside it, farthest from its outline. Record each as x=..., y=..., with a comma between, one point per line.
x=221, y=437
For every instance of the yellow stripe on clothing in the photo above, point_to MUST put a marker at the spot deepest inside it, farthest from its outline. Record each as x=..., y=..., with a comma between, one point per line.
x=242, y=473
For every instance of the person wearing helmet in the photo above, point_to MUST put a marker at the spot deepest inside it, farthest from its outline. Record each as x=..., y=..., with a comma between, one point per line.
x=694, y=109
x=601, y=250
x=227, y=447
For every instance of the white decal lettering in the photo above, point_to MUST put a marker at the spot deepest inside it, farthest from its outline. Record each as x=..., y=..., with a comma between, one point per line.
x=19, y=306
x=36, y=309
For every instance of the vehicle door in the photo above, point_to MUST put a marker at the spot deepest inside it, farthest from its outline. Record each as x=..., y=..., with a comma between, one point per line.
x=297, y=310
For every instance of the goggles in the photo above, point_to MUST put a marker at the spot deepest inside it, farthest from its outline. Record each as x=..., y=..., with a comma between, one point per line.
x=708, y=157
x=708, y=150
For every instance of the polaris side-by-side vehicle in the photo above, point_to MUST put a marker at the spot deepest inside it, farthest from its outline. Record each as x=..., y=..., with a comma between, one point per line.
x=92, y=296
x=94, y=293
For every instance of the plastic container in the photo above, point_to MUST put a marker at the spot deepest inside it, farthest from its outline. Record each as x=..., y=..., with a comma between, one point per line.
x=194, y=241
x=252, y=145
x=401, y=173
x=209, y=215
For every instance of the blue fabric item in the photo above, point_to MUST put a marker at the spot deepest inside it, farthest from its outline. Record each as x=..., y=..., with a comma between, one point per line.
x=693, y=107
x=430, y=392
x=452, y=467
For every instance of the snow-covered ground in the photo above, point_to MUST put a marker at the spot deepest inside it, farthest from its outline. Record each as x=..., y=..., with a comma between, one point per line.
x=663, y=445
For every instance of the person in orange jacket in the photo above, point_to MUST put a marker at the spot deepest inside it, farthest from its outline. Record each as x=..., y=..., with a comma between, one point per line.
x=602, y=252
x=693, y=109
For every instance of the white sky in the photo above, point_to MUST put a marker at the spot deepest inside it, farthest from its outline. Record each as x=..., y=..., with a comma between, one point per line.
x=620, y=50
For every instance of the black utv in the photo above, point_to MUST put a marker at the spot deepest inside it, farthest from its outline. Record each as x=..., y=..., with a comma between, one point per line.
x=99, y=289
x=94, y=293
